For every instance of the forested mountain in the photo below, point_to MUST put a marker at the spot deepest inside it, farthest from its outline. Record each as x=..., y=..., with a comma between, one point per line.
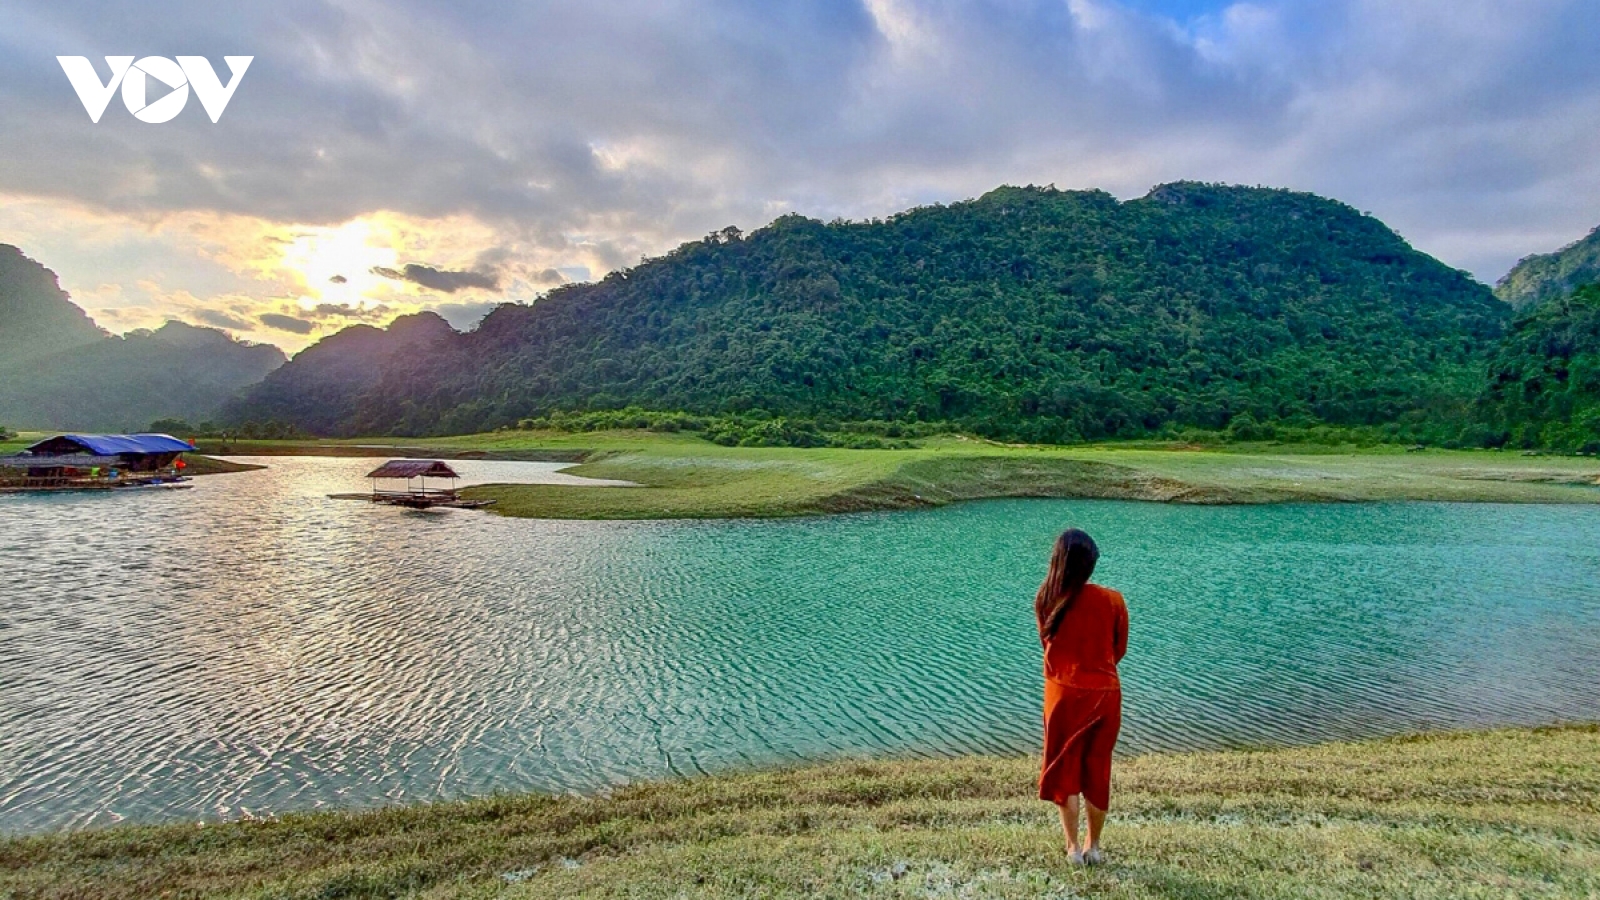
x=59, y=370
x=329, y=386
x=1545, y=276
x=36, y=316
x=1028, y=313
x=1544, y=383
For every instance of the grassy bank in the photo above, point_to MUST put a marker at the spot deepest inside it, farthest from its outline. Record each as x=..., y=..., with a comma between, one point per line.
x=200, y=464
x=684, y=477
x=1490, y=814
x=18, y=442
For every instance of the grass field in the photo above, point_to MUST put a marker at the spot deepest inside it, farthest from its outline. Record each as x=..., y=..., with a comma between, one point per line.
x=13, y=444
x=1489, y=814
x=681, y=476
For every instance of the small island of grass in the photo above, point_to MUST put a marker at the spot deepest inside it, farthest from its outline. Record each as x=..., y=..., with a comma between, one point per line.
x=683, y=476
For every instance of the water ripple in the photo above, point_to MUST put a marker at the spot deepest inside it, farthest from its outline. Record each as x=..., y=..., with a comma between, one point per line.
x=251, y=646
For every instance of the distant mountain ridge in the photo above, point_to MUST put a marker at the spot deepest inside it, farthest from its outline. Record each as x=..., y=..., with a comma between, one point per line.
x=1029, y=313
x=37, y=317
x=59, y=370
x=326, y=389
x=1544, y=276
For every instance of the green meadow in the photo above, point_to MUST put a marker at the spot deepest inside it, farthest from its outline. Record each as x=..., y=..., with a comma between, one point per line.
x=1512, y=813
x=17, y=442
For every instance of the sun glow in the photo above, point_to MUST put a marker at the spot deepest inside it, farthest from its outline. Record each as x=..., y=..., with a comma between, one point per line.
x=335, y=264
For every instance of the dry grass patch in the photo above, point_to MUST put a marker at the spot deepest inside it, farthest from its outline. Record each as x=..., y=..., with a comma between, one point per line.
x=1492, y=814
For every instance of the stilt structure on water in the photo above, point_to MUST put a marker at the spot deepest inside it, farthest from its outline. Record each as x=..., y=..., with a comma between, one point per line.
x=87, y=462
x=412, y=490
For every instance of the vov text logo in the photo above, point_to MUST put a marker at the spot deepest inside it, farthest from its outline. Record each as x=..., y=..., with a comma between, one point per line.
x=134, y=78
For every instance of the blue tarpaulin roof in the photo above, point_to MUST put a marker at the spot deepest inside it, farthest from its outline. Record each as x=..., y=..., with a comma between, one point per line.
x=75, y=460
x=115, y=444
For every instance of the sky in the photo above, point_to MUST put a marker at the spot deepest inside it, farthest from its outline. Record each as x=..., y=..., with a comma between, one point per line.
x=382, y=158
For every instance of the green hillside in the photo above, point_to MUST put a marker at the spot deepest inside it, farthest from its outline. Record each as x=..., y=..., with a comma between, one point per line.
x=1546, y=276
x=331, y=386
x=1544, y=383
x=1028, y=313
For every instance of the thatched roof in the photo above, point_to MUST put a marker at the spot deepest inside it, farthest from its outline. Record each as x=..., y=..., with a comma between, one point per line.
x=413, y=468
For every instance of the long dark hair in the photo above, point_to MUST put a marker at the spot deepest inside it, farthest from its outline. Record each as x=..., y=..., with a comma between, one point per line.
x=1071, y=563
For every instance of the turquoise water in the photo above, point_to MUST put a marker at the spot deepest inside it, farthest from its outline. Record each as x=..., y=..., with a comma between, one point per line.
x=250, y=646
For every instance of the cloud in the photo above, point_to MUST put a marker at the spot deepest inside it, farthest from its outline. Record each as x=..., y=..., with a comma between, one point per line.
x=287, y=323
x=220, y=319
x=338, y=279
x=378, y=313
x=1467, y=124
x=440, y=279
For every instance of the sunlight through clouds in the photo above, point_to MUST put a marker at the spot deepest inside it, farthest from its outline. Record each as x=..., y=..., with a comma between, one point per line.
x=287, y=284
x=335, y=265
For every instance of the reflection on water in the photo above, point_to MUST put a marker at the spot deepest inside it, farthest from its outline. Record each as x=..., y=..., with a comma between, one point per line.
x=251, y=646
x=348, y=475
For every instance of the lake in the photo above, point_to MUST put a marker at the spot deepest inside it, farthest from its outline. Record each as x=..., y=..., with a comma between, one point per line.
x=250, y=646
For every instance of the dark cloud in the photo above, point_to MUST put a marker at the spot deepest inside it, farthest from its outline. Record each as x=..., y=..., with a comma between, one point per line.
x=440, y=279
x=219, y=319
x=491, y=259
x=375, y=313
x=1468, y=124
x=338, y=279
x=287, y=323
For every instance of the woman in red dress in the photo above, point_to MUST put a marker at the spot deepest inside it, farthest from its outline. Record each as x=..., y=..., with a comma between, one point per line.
x=1084, y=629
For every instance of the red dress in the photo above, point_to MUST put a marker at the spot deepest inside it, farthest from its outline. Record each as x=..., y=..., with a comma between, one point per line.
x=1083, y=698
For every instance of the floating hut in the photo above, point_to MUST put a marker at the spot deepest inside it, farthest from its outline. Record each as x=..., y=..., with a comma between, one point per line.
x=404, y=482
x=71, y=462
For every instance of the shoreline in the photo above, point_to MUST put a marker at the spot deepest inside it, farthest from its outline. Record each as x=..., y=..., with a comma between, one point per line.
x=682, y=477
x=1436, y=814
x=202, y=464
